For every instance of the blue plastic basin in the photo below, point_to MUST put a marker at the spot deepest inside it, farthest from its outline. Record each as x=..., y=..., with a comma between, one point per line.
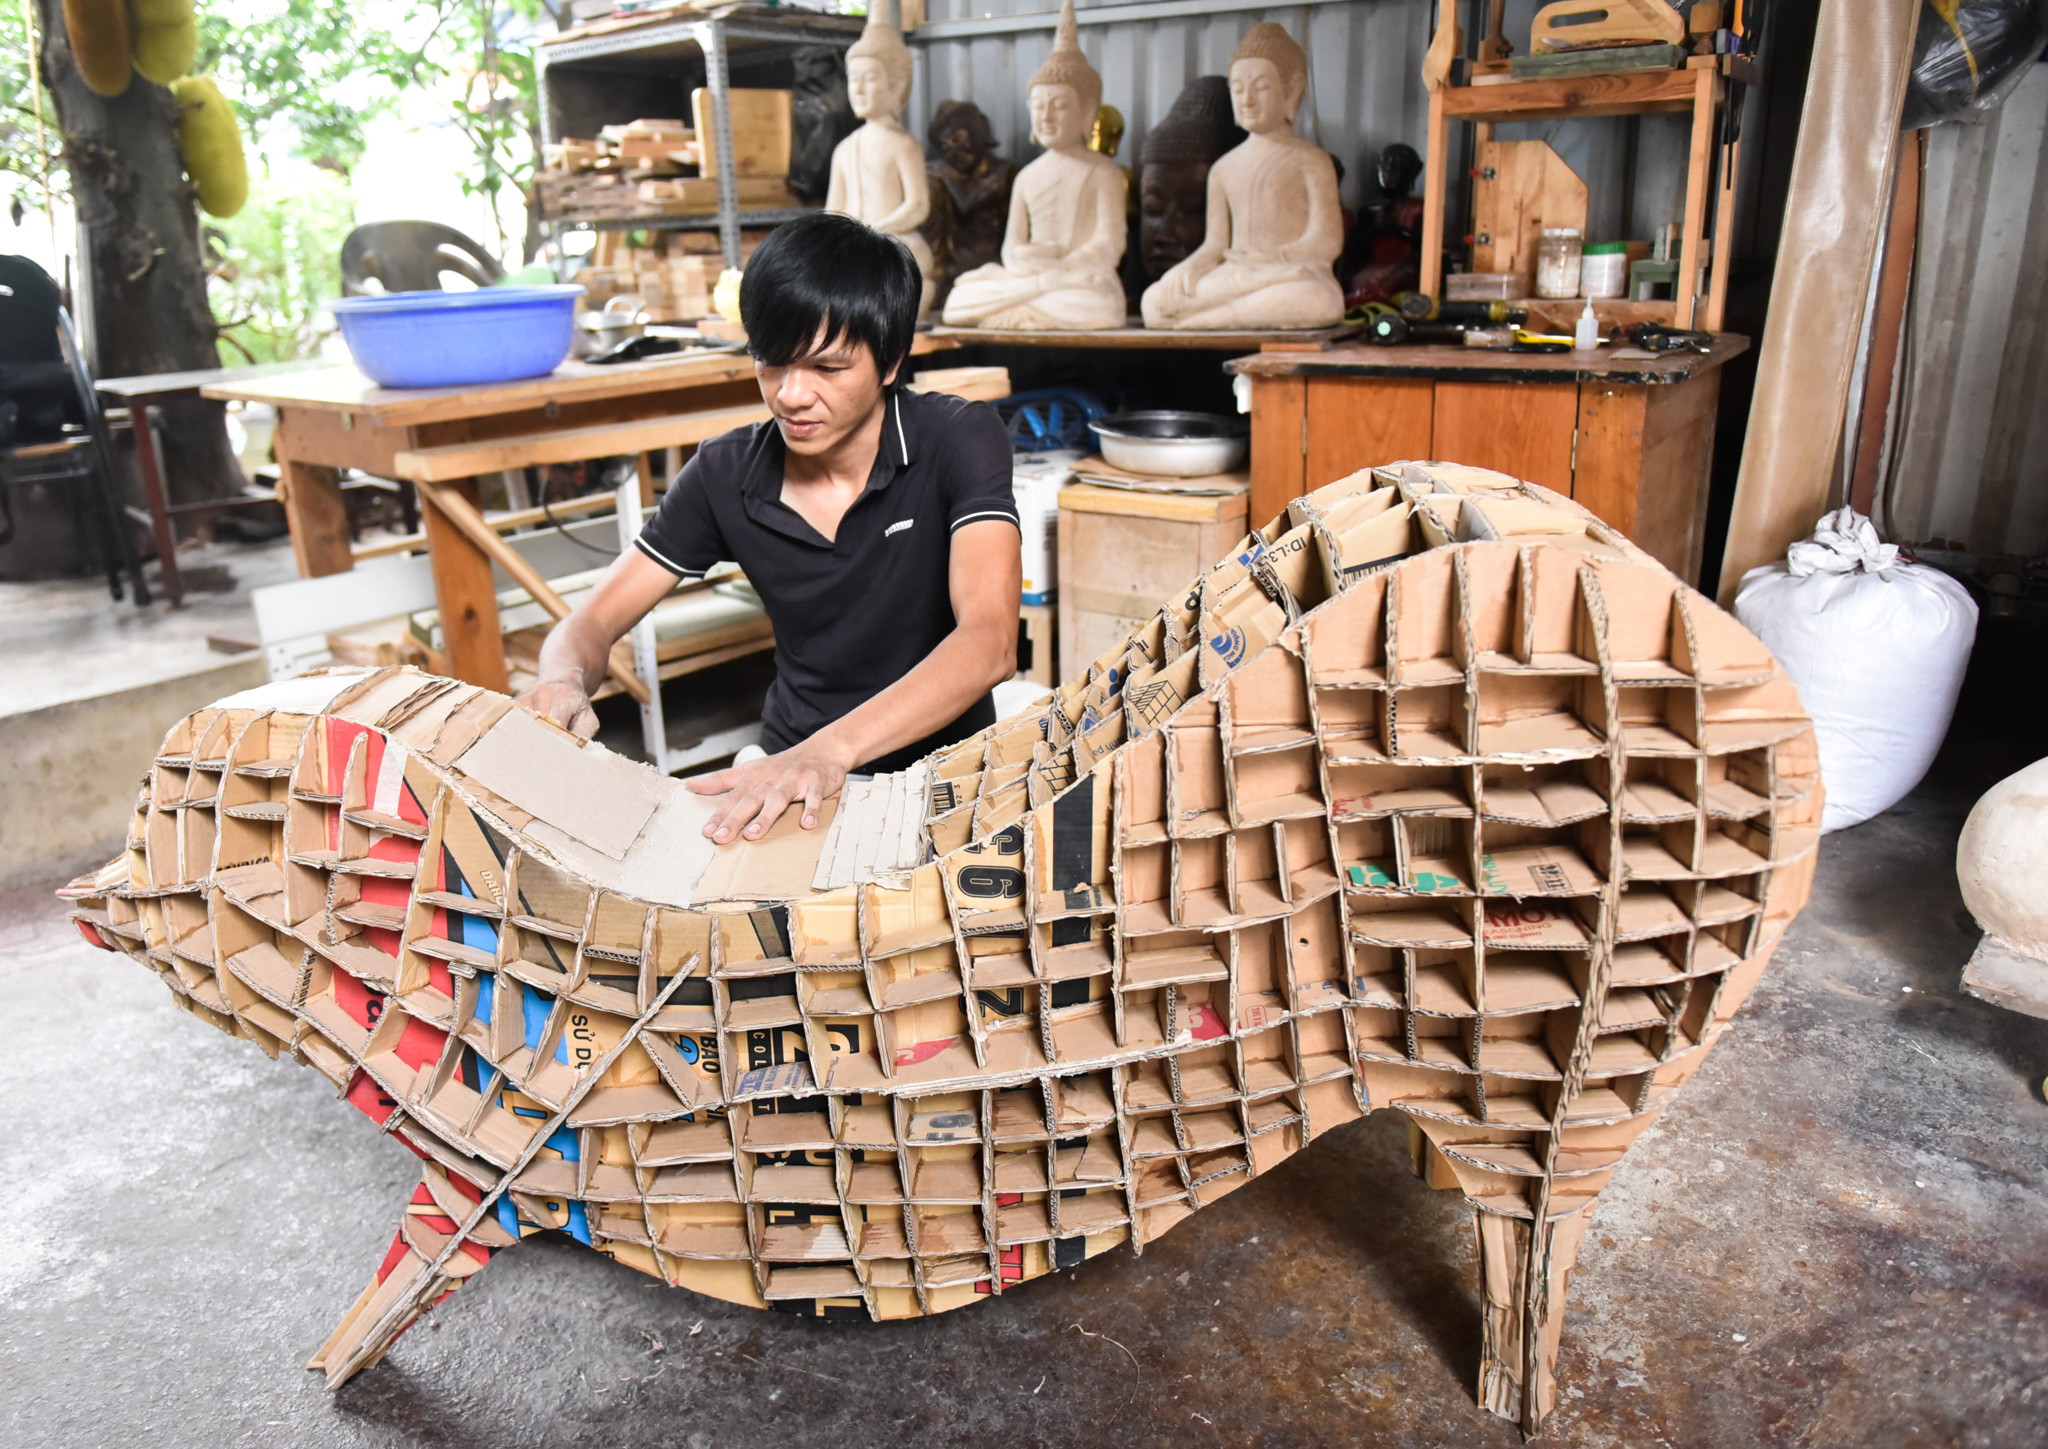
x=459, y=339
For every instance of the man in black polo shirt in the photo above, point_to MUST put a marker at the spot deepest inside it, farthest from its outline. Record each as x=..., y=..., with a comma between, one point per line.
x=877, y=525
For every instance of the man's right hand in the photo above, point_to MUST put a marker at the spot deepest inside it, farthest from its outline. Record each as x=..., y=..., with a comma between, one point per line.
x=563, y=701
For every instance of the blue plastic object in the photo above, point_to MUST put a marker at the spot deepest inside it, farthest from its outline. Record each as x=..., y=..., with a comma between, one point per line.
x=459, y=339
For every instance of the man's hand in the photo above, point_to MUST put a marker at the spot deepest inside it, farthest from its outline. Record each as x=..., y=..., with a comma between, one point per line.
x=563, y=701
x=762, y=789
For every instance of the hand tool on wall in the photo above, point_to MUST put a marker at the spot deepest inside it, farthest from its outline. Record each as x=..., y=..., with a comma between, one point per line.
x=1621, y=22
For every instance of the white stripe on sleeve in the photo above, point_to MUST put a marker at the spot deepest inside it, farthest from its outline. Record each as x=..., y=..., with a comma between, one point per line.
x=687, y=575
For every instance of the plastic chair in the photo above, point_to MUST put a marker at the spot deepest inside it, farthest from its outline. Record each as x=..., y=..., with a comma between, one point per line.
x=409, y=256
x=46, y=394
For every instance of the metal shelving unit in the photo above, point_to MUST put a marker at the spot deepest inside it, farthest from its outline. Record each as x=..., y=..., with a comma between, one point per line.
x=708, y=36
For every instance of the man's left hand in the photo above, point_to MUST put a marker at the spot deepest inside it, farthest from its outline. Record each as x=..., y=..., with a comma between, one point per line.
x=762, y=789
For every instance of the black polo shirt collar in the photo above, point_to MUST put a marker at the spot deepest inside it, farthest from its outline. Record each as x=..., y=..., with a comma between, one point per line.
x=761, y=488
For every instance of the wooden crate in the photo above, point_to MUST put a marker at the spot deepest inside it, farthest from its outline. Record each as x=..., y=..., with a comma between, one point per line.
x=1123, y=553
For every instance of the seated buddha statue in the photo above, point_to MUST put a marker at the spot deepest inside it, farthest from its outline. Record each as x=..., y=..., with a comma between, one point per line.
x=878, y=172
x=1275, y=225
x=1067, y=226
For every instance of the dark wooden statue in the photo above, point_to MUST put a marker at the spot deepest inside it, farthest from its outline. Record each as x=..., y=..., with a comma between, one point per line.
x=1386, y=244
x=970, y=192
x=1173, y=181
x=821, y=117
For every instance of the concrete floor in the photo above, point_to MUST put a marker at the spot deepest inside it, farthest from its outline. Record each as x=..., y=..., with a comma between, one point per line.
x=67, y=640
x=1837, y=1236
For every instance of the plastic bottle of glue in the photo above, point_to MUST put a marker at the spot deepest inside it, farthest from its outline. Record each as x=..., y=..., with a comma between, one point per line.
x=1587, y=336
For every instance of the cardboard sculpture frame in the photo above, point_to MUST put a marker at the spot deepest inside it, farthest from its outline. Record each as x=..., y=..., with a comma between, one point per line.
x=1435, y=795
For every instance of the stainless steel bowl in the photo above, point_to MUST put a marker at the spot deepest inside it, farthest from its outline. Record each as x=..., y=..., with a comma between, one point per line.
x=1172, y=444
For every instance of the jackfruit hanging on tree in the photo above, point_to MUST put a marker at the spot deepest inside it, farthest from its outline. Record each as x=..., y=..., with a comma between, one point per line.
x=166, y=38
x=210, y=142
x=98, y=31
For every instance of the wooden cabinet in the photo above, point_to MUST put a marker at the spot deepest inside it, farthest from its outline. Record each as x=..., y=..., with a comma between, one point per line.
x=1632, y=440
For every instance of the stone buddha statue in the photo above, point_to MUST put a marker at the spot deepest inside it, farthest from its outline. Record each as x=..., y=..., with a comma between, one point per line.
x=970, y=188
x=878, y=174
x=1067, y=224
x=1173, y=181
x=1275, y=225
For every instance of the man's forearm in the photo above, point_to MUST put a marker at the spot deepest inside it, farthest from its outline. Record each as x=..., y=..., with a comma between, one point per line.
x=575, y=651
x=945, y=684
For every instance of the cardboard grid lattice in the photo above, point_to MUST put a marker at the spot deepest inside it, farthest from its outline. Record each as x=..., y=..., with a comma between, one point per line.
x=1435, y=795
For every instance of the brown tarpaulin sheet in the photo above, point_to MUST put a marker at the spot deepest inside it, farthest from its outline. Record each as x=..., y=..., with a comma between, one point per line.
x=1834, y=224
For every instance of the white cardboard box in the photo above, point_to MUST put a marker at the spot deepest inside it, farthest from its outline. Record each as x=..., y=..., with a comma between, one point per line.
x=1036, y=479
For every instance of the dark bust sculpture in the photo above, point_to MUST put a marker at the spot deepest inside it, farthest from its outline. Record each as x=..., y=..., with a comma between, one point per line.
x=821, y=117
x=970, y=192
x=1173, y=182
x=1386, y=245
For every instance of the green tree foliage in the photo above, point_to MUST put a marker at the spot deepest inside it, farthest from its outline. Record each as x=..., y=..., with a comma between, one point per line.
x=22, y=159
x=307, y=77
x=276, y=261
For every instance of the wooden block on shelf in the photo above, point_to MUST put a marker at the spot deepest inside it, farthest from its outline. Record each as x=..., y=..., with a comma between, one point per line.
x=984, y=384
x=762, y=129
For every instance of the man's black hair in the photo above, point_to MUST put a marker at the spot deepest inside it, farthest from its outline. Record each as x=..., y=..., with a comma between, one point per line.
x=829, y=272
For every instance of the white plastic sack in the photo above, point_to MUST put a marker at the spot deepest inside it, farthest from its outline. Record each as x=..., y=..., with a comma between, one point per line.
x=1877, y=648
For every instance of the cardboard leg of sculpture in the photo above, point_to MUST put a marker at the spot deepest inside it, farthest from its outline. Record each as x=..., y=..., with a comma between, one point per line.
x=1523, y=1294
x=406, y=1284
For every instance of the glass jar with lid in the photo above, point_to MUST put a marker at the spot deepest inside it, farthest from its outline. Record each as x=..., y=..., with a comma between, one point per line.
x=1557, y=262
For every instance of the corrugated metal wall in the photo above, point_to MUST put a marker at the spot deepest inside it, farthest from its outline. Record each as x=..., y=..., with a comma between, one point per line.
x=1971, y=466
x=1365, y=63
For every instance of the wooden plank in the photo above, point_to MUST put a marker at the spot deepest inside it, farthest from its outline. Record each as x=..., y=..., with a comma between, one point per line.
x=1146, y=338
x=1723, y=257
x=1706, y=87
x=761, y=131
x=456, y=503
x=1887, y=328
x=1524, y=429
x=1131, y=503
x=1677, y=467
x=465, y=595
x=499, y=522
x=1279, y=444
x=342, y=389
x=1620, y=21
x=1616, y=94
x=337, y=440
x=1608, y=474
x=1436, y=156
x=1645, y=457
x=1479, y=365
x=1530, y=188
x=465, y=460
x=1361, y=422
x=311, y=494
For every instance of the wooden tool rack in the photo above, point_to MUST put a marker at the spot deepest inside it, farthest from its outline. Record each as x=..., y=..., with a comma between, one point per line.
x=1700, y=88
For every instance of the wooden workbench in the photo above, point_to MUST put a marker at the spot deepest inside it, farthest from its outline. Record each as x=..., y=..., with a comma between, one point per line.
x=331, y=418
x=1631, y=440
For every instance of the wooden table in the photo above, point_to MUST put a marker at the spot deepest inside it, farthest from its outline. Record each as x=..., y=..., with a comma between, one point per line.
x=1632, y=440
x=331, y=418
